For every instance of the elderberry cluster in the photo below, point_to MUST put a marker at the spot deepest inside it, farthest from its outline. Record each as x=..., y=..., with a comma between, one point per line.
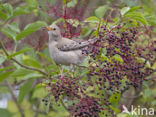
x=65, y=87
x=119, y=67
x=87, y=107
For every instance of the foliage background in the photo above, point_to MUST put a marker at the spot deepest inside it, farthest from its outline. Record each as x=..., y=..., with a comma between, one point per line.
x=21, y=23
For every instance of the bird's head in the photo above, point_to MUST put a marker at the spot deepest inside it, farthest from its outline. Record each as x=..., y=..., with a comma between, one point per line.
x=53, y=30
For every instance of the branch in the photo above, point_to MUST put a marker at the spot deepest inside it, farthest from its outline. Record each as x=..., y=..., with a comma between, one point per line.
x=22, y=65
x=14, y=98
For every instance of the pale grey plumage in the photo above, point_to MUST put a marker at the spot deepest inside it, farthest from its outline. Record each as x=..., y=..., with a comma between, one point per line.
x=63, y=50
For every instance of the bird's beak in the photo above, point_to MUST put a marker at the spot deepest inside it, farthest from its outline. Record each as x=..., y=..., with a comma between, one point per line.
x=49, y=28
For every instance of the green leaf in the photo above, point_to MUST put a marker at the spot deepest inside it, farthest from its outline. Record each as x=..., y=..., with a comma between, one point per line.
x=8, y=8
x=115, y=98
x=100, y=11
x=19, y=52
x=151, y=20
x=116, y=110
x=32, y=4
x=21, y=10
x=134, y=8
x=48, y=104
x=14, y=27
x=124, y=10
x=38, y=91
x=24, y=89
x=32, y=75
x=4, y=75
x=30, y=28
x=2, y=59
x=6, y=68
x=9, y=33
x=3, y=15
x=92, y=19
x=20, y=72
x=31, y=62
x=118, y=58
x=137, y=16
x=72, y=3
x=141, y=19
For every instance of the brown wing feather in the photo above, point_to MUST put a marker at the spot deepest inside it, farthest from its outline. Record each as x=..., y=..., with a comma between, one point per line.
x=68, y=45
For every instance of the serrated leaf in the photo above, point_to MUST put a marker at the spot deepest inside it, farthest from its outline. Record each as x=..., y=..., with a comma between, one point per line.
x=142, y=20
x=137, y=16
x=4, y=75
x=30, y=28
x=92, y=19
x=124, y=10
x=14, y=27
x=19, y=52
x=25, y=89
x=20, y=72
x=9, y=33
x=30, y=61
x=100, y=11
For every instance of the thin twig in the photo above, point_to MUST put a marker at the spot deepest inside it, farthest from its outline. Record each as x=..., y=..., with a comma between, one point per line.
x=63, y=105
x=22, y=65
x=14, y=98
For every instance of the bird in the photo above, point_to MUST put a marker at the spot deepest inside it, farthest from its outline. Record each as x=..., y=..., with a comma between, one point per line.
x=64, y=51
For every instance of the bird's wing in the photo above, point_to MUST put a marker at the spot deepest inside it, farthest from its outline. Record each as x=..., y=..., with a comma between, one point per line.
x=68, y=45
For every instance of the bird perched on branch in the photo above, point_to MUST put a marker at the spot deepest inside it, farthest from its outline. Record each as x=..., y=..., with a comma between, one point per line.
x=63, y=50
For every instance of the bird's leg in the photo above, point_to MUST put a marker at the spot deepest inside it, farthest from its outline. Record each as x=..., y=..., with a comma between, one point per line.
x=61, y=71
x=71, y=68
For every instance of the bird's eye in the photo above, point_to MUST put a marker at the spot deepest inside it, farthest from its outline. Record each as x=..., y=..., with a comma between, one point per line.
x=54, y=28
